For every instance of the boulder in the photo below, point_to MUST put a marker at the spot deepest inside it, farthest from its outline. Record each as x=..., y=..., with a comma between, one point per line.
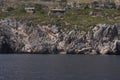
x=105, y=50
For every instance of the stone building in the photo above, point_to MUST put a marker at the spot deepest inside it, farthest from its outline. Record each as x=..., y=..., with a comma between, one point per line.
x=56, y=12
x=30, y=9
x=117, y=3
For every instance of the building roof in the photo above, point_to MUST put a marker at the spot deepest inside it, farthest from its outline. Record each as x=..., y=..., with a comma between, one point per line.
x=57, y=9
x=29, y=8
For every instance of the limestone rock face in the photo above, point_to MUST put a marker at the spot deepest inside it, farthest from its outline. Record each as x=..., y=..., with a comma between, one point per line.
x=116, y=46
x=106, y=32
x=22, y=36
x=105, y=50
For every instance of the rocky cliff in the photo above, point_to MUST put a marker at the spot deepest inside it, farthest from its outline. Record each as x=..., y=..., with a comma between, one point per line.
x=22, y=36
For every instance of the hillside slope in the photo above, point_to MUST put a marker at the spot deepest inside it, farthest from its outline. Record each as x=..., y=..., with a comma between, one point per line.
x=87, y=1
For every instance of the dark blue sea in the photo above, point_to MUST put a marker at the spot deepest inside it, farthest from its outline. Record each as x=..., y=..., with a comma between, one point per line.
x=59, y=67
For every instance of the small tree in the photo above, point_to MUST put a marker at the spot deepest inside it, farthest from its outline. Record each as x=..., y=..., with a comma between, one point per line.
x=10, y=9
x=63, y=0
x=86, y=6
x=38, y=7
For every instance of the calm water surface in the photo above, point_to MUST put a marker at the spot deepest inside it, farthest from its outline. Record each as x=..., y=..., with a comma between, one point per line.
x=59, y=67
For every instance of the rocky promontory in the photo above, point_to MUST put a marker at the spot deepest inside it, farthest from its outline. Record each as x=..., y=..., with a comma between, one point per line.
x=18, y=36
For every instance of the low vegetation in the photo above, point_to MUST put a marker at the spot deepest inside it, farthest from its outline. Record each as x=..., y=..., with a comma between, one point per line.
x=81, y=18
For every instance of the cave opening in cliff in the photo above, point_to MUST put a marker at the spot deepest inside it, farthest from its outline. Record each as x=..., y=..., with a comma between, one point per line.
x=6, y=48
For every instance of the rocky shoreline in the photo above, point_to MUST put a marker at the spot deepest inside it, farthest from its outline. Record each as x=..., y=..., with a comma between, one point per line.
x=21, y=36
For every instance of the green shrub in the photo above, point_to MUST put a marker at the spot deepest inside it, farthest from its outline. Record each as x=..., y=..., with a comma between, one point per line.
x=10, y=9
x=38, y=7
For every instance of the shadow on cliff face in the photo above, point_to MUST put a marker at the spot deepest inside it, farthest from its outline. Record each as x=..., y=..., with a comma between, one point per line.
x=6, y=48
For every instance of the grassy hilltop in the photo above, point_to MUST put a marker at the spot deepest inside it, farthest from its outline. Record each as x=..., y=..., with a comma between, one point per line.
x=80, y=18
x=87, y=1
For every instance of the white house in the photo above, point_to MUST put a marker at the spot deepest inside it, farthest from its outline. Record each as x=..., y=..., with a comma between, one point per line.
x=30, y=9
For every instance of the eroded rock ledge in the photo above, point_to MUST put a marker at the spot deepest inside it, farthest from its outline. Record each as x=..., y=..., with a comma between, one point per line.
x=19, y=36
